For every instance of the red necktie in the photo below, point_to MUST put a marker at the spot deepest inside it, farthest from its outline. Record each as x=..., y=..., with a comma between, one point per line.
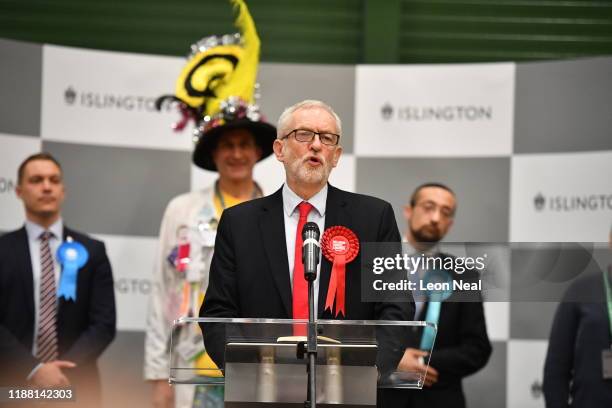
x=47, y=308
x=300, y=286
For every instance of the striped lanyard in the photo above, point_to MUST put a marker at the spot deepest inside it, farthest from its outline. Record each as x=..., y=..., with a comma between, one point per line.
x=257, y=192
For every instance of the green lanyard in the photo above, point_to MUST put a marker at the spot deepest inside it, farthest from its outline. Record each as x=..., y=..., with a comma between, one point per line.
x=609, y=296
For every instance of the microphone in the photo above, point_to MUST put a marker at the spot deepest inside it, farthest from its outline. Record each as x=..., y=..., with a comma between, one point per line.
x=311, y=250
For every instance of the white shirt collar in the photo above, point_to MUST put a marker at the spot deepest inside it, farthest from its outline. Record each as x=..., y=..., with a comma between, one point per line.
x=291, y=200
x=34, y=230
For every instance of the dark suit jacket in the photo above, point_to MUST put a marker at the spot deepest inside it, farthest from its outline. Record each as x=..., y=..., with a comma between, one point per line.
x=579, y=334
x=461, y=347
x=249, y=274
x=85, y=327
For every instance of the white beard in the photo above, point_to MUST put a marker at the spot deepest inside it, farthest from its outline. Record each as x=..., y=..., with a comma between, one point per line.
x=309, y=175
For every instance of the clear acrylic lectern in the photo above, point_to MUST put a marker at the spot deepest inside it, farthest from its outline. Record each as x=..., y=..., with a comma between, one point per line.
x=261, y=362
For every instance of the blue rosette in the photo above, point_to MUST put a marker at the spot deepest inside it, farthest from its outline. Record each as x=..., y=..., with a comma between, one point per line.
x=72, y=256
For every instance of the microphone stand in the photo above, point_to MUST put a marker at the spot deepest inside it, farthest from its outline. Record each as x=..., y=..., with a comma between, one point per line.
x=310, y=275
x=311, y=346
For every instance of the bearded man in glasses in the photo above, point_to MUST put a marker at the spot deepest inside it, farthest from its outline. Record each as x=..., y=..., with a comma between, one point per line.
x=257, y=269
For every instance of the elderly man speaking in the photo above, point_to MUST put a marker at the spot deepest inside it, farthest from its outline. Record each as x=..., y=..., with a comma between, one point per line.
x=256, y=270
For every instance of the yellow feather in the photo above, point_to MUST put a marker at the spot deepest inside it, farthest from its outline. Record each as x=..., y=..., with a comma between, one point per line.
x=243, y=79
x=218, y=75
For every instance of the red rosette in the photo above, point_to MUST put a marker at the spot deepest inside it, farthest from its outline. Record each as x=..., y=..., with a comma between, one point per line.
x=340, y=246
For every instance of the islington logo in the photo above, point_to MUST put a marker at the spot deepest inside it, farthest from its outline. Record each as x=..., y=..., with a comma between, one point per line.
x=386, y=111
x=133, y=286
x=70, y=95
x=7, y=185
x=536, y=389
x=97, y=100
x=539, y=201
x=444, y=113
x=562, y=203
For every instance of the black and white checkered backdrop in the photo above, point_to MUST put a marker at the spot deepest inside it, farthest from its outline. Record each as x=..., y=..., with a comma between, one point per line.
x=504, y=136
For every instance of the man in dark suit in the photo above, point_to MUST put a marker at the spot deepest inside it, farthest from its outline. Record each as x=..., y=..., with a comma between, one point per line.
x=51, y=336
x=256, y=270
x=580, y=336
x=461, y=345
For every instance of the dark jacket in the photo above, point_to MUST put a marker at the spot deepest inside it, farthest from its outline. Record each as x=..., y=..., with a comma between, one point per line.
x=85, y=327
x=461, y=347
x=579, y=334
x=249, y=274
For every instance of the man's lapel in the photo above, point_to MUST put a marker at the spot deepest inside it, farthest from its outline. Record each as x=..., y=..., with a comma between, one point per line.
x=336, y=213
x=272, y=231
x=24, y=268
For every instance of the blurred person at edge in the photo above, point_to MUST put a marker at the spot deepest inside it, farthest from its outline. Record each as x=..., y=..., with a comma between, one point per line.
x=232, y=136
x=49, y=338
x=579, y=348
x=462, y=345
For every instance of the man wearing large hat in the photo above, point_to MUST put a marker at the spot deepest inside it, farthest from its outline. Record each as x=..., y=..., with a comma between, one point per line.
x=216, y=89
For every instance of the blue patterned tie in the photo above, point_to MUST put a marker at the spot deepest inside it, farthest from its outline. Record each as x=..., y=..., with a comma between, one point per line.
x=429, y=334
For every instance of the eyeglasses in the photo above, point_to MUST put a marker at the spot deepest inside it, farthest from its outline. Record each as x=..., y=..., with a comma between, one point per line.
x=307, y=136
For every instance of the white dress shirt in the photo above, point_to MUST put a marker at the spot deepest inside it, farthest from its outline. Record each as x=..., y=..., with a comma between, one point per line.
x=34, y=231
x=292, y=216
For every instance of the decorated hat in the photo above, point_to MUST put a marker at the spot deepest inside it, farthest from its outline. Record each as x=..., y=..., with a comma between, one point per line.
x=217, y=90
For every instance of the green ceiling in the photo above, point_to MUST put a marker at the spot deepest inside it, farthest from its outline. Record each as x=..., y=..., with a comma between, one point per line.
x=328, y=31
